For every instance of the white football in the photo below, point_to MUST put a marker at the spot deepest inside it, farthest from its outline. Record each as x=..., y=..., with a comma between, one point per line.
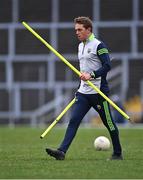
x=102, y=143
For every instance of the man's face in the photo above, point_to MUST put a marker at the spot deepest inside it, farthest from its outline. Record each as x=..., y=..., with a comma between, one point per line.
x=81, y=32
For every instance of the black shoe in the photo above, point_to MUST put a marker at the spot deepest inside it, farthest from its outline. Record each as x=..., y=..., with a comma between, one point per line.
x=57, y=154
x=115, y=157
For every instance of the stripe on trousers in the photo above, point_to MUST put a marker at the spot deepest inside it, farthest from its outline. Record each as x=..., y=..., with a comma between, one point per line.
x=108, y=117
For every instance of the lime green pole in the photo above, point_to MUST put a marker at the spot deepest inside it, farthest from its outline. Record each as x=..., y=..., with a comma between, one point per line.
x=58, y=118
x=74, y=69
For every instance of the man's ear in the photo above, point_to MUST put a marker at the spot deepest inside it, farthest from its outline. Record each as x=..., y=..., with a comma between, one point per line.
x=89, y=29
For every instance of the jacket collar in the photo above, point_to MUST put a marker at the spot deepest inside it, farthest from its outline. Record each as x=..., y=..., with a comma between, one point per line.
x=90, y=38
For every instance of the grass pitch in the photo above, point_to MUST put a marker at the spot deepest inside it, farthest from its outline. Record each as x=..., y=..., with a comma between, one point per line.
x=22, y=155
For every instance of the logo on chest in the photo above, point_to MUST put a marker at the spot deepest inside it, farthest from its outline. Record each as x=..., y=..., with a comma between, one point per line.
x=88, y=50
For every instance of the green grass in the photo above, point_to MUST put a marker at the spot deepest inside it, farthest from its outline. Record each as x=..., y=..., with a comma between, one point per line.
x=22, y=155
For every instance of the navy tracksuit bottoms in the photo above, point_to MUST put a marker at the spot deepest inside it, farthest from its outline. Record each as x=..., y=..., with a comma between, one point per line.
x=82, y=105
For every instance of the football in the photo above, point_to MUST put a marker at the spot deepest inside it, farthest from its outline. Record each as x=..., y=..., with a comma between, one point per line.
x=102, y=143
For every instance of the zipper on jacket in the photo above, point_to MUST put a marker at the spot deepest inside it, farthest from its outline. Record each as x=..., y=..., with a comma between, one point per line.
x=83, y=48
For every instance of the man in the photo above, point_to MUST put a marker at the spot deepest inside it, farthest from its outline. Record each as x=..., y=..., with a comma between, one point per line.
x=94, y=65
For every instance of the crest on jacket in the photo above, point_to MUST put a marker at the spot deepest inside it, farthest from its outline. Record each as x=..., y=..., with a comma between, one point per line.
x=89, y=50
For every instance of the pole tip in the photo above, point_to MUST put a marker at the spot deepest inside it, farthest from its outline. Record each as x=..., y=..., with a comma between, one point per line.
x=41, y=137
x=129, y=119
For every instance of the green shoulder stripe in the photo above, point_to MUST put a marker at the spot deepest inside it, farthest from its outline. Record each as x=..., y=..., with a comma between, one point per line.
x=103, y=51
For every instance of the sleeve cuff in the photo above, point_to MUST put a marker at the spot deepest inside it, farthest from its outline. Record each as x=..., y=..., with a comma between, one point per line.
x=92, y=74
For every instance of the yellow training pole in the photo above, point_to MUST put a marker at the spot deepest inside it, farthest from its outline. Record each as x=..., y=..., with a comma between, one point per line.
x=58, y=118
x=74, y=69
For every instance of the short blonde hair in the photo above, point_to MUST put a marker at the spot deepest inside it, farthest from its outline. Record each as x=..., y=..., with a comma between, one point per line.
x=86, y=21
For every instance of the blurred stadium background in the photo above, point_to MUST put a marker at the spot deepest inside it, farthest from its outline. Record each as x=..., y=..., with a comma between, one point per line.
x=35, y=85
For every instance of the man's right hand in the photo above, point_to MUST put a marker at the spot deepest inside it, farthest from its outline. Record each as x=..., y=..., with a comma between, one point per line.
x=85, y=76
